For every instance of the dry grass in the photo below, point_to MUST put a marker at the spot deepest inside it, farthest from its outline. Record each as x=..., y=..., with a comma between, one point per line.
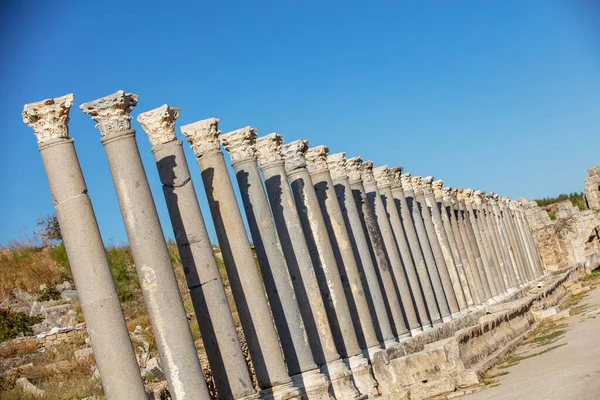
x=18, y=348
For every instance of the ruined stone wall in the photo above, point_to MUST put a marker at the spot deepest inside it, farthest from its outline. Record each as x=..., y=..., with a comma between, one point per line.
x=592, y=188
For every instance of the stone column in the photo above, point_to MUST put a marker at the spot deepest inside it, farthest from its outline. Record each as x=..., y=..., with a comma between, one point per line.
x=148, y=246
x=323, y=258
x=113, y=352
x=384, y=273
x=527, y=229
x=486, y=235
x=298, y=260
x=482, y=245
x=393, y=255
x=217, y=328
x=444, y=242
x=384, y=185
x=316, y=159
x=354, y=219
x=510, y=256
x=417, y=251
x=246, y=284
x=530, y=262
x=278, y=284
x=440, y=261
x=458, y=253
x=470, y=241
x=520, y=260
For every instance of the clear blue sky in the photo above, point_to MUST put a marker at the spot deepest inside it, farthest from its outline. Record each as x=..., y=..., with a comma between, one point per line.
x=496, y=95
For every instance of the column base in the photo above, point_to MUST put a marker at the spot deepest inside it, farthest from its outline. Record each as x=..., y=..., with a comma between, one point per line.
x=389, y=343
x=415, y=332
x=370, y=352
x=313, y=384
x=363, y=375
x=403, y=337
x=447, y=319
x=286, y=391
x=342, y=383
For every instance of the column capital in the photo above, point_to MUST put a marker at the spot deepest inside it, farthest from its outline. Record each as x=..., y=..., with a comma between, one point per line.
x=203, y=135
x=268, y=149
x=417, y=184
x=367, y=173
x=505, y=201
x=437, y=188
x=354, y=169
x=395, y=174
x=159, y=124
x=448, y=195
x=49, y=118
x=316, y=159
x=382, y=176
x=428, y=185
x=406, y=180
x=479, y=197
x=467, y=195
x=293, y=154
x=337, y=165
x=240, y=144
x=458, y=192
x=111, y=112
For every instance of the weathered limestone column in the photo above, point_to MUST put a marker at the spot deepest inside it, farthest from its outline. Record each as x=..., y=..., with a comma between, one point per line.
x=360, y=243
x=470, y=241
x=513, y=269
x=527, y=229
x=110, y=341
x=458, y=253
x=217, y=328
x=316, y=160
x=383, y=222
x=519, y=240
x=401, y=202
x=323, y=258
x=384, y=185
x=444, y=242
x=148, y=246
x=467, y=195
x=529, y=258
x=493, y=256
x=278, y=284
x=520, y=260
x=298, y=260
x=384, y=273
x=440, y=261
x=245, y=281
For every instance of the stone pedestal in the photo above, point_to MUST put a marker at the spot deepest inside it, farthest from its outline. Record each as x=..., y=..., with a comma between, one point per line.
x=245, y=281
x=110, y=341
x=217, y=328
x=148, y=247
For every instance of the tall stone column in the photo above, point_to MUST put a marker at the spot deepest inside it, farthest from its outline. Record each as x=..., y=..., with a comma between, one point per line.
x=481, y=243
x=507, y=216
x=316, y=159
x=421, y=266
x=440, y=261
x=513, y=270
x=148, y=246
x=323, y=258
x=528, y=255
x=384, y=185
x=384, y=272
x=436, y=282
x=358, y=231
x=113, y=352
x=527, y=230
x=486, y=235
x=383, y=222
x=470, y=241
x=298, y=260
x=246, y=285
x=444, y=242
x=278, y=284
x=458, y=252
x=217, y=328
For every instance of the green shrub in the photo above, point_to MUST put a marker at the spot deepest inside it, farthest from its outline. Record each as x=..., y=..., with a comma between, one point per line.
x=12, y=323
x=126, y=280
x=49, y=293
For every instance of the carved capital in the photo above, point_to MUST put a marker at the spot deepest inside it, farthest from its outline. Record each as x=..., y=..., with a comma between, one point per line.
x=479, y=197
x=316, y=159
x=427, y=185
x=111, y=112
x=382, y=176
x=448, y=196
x=337, y=165
x=293, y=154
x=505, y=201
x=49, y=118
x=417, y=184
x=406, y=180
x=203, y=135
x=467, y=196
x=437, y=188
x=159, y=124
x=354, y=169
x=367, y=173
x=268, y=149
x=240, y=144
x=395, y=174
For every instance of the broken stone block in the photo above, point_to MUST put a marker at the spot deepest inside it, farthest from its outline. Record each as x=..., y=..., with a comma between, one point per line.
x=29, y=387
x=154, y=367
x=564, y=314
x=583, y=289
x=83, y=354
x=70, y=295
x=548, y=312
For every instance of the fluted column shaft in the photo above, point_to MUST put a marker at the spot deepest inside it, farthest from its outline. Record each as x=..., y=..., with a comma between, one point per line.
x=510, y=228
x=110, y=341
x=495, y=238
x=528, y=256
x=504, y=237
x=148, y=247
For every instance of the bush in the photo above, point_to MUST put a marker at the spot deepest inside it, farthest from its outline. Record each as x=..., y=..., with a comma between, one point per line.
x=126, y=280
x=49, y=293
x=12, y=323
x=49, y=230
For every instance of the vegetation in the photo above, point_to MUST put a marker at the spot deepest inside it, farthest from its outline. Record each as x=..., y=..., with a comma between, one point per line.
x=12, y=323
x=576, y=198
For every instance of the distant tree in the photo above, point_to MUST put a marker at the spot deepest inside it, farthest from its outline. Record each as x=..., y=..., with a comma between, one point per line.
x=49, y=230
